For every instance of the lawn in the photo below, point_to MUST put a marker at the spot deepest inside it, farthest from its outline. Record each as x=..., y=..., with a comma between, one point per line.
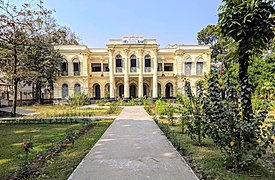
x=59, y=110
x=209, y=159
x=44, y=136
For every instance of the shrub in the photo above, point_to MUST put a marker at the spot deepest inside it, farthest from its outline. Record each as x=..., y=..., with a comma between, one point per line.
x=242, y=140
x=112, y=108
x=78, y=99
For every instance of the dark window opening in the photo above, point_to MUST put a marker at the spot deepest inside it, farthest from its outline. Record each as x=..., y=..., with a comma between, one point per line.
x=168, y=67
x=96, y=67
x=105, y=67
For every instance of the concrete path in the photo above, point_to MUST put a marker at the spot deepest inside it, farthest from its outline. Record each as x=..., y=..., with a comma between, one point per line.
x=133, y=148
x=18, y=111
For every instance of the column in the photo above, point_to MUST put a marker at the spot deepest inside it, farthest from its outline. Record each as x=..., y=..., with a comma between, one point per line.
x=162, y=66
x=140, y=75
x=111, y=76
x=101, y=63
x=126, y=75
x=155, y=76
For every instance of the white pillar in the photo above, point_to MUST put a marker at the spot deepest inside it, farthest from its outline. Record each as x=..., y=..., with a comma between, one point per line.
x=140, y=75
x=155, y=76
x=111, y=75
x=126, y=75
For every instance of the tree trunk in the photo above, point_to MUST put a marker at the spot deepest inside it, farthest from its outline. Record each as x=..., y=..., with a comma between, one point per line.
x=15, y=83
x=38, y=92
x=247, y=111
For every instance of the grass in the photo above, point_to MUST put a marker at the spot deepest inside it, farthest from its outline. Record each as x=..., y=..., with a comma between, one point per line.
x=59, y=110
x=60, y=167
x=44, y=136
x=210, y=159
x=13, y=136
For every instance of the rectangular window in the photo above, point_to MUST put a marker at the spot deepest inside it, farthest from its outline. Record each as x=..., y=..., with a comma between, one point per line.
x=159, y=66
x=147, y=62
x=96, y=67
x=199, y=68
x=168, y=66
x=133, y=63
x=188, y=67
x=118, y=63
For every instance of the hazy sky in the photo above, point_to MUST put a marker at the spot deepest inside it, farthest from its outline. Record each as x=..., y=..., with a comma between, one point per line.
x=169, y=21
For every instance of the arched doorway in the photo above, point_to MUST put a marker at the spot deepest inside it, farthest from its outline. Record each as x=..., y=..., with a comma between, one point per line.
x=146, y=90
x=169, y=90
x=77, y=88
x=159, y=90
x=96, y=91
x=65, y=91
x=133, y=91
x=121, y=91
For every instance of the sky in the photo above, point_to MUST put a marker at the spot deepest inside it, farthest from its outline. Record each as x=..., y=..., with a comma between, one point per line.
x=167, y=21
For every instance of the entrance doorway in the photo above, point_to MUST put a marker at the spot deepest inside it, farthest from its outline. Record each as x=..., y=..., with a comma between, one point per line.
x=133, y=93
x=121, y=91
x=97, y=91
x=169, y=90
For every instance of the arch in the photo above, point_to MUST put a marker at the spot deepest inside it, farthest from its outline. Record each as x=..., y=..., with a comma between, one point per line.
x=147, y=63
x=199, y=66
x=159, y=90
x=96, y=91
x=65, y=91
x=76, y=67
x=146, y=90
x=133, y=91
x=77, y=88
x=64, y=67
x=121, y=90
x=118, y=62
x=169, y=90
x=133, y=63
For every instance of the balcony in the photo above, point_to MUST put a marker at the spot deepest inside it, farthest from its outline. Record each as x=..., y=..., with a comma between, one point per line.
x=119, y=69
x=133, y=69
x=64, y=73
x=76, y=73
x=147, y=69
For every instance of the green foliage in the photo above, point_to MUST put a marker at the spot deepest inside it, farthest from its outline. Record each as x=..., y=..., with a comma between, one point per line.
x=242, y=140
x=192, y=113
x=78, y=99
x=112, y=108
x=169, y=110
x=160, y=107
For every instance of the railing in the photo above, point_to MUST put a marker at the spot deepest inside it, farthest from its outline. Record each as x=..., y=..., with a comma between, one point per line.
x=119, y=69
x=76, y=73
x=133, y=69
x=64, y=73
x=147, y=69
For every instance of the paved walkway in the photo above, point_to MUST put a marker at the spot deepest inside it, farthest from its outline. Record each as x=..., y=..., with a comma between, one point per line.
x=133, y=148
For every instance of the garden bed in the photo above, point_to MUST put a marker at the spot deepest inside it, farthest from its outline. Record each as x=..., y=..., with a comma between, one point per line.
x=207, y=160
x=49, y=140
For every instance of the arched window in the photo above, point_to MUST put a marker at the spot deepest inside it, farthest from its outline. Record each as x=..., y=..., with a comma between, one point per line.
x=65, y=91
x=188, y=66
x=77, y=88
x=199, y=67
x=96, y=91
x=133, y=63
x=147, y=63
x=64, y=68
x=118, y=63
x=169, y=90
x=76, y=65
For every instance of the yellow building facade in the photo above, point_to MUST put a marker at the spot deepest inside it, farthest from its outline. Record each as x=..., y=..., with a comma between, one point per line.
x=132, y=67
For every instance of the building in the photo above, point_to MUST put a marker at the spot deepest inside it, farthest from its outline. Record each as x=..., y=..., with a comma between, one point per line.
x=130, y=67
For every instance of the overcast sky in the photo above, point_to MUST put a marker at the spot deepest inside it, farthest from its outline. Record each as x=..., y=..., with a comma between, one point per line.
x=168, y=21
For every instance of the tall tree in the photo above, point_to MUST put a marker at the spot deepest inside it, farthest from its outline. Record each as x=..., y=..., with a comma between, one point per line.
x=251, y=24
x=211, y=35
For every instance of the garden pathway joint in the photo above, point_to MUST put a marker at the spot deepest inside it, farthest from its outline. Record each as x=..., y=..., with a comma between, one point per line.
x=133, y=148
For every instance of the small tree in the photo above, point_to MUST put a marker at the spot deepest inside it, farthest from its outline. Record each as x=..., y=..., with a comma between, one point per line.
x=242, y=141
